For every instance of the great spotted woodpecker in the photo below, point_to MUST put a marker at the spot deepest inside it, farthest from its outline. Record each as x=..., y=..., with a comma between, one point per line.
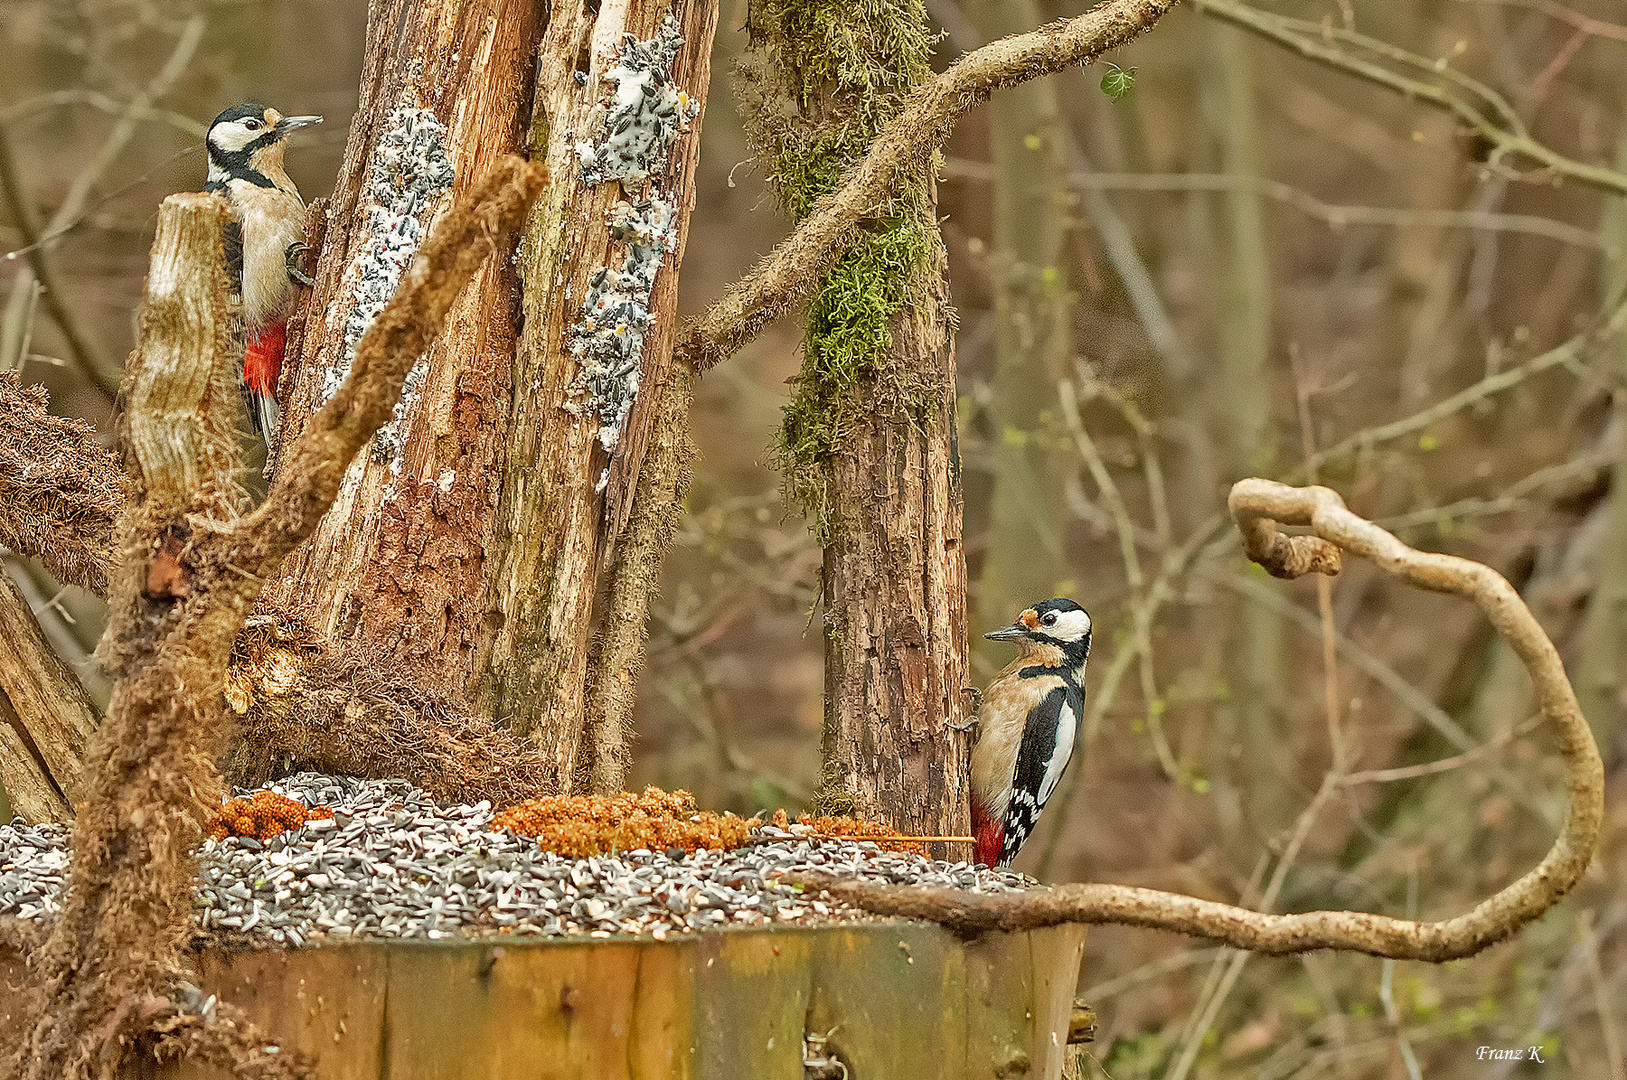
x=1028, y=718
x=265, y=241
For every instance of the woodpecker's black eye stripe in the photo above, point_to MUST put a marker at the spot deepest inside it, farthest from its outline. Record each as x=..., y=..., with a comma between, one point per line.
x=236, y=164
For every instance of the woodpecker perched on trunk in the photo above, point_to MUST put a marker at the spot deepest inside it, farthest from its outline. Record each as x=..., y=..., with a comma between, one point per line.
x=1029, y=716
x=265, y=242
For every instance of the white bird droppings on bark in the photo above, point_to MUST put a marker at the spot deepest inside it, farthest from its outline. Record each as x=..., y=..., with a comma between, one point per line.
x=643, y=118
x=409, y=174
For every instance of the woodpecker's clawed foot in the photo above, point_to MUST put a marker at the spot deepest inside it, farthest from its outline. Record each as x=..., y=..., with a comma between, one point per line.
x=972, y=697
x=294, y=258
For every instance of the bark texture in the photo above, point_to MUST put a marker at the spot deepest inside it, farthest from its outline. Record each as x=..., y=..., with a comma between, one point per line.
x=895, y=601
x=565, y=496
x=398, y=567
x=798, y=266
x=46, y=718
x=192, y=570
x=151, y=780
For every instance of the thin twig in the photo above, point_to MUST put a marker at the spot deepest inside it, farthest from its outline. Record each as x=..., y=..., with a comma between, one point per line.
x=42, y=282
x=1334, y=215
x=1601, y=998
x=1434, y=768
x=1585, y=23
x=1068, y=396
x=104, y=373
x=904, y=148
x=1509, y=140
x=106, y=104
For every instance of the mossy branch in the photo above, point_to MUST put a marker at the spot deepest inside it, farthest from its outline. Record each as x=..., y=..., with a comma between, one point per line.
x=901, y=154
x=1258, y=507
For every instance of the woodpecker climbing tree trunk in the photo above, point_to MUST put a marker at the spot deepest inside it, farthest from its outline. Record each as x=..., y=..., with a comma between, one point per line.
x=464, y=552
x=867, y=443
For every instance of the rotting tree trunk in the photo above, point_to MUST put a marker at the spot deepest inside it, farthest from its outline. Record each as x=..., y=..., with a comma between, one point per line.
x=45, y=717
x=463, y=554
x=59, y=493
x=397, y=569
x=623, y=130
x=867, y=444
x=192, y=569
x=149, y=777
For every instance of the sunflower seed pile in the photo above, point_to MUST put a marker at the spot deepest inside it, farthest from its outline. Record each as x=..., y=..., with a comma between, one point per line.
x=393, y=863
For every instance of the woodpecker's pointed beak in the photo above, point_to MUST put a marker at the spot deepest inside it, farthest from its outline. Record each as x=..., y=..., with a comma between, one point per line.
x=1006, y=633
x=291, y=123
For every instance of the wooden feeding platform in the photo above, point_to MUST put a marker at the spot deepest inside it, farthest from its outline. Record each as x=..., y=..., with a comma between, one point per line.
x=893, y=1000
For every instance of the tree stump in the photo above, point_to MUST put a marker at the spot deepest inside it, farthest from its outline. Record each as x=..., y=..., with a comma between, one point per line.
x=901, y=1000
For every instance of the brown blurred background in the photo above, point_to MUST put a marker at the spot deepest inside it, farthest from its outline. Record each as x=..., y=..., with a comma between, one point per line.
x=1251, y=255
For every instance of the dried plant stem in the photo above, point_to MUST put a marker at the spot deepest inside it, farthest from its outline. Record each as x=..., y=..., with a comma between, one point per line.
x=1259, y=506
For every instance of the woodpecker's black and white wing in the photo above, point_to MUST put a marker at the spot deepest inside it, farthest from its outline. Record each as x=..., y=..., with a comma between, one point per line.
x=1047, y=745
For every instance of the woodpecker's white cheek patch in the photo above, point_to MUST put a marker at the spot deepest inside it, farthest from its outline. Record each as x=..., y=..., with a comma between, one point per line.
x=232, y=137
x=646, y=112
x=1069, y=626
x=409, y=174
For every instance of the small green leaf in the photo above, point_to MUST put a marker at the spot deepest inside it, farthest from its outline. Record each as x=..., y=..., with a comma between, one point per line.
x=1118, y=82
x=1032, y=142
x=1428, y=442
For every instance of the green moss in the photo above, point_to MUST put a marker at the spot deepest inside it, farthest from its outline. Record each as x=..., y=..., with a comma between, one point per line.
x=537, y=144
x=825, y=77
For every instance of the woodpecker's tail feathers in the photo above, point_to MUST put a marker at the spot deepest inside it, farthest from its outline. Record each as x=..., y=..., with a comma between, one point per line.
x=989, y=833
x=262, y=366
x=264, y=416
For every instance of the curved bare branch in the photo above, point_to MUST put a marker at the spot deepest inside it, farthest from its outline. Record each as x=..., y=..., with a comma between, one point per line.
x=1259, y=506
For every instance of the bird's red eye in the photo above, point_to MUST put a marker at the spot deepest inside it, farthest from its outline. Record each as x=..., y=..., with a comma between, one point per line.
x=252, y=125
x=1049, y=619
